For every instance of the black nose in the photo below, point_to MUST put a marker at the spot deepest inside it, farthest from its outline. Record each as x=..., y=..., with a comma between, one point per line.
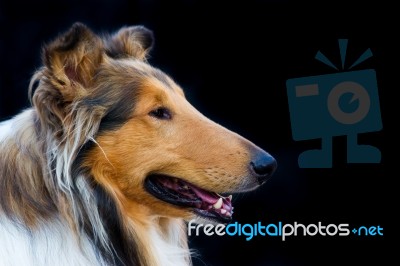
x=263, y=166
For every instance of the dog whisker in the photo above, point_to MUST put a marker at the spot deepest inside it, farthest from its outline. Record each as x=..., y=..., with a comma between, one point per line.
x=102, y=150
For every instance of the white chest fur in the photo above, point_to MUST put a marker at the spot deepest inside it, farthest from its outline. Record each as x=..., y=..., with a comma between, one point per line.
x=50, y=244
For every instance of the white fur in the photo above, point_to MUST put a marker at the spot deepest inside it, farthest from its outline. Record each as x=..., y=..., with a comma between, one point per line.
x=168, y=253
x=5, y=130
x=9, y=128
x=51, y=244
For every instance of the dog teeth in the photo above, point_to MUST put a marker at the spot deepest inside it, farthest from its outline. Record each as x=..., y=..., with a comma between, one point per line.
x=218, y=204
x=185, y=187
x=228, y=214
x=223, y=211
x=229, y=197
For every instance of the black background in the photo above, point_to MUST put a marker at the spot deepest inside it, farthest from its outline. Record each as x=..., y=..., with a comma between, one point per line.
x=233, y=60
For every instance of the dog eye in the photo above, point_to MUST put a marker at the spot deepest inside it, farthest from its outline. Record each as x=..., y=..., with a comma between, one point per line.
x=161, y=113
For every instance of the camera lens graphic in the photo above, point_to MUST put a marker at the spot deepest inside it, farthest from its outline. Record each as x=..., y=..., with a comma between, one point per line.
x=343, y=103
x=359, y=93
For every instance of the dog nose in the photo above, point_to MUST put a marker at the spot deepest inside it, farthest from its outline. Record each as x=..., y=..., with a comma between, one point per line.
x=263, y=166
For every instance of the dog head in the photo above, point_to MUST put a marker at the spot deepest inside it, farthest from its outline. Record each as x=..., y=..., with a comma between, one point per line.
x=154, y=152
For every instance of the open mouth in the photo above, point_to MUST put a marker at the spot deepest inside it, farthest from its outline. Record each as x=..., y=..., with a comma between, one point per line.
x=176, y=191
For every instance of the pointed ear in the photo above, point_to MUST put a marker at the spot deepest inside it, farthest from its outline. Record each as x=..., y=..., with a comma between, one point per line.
x=135, y=42
x=72, y=60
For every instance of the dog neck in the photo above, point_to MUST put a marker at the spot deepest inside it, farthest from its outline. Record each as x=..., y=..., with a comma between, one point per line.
x=152, y=239
x=93, y=219
x=161, y=241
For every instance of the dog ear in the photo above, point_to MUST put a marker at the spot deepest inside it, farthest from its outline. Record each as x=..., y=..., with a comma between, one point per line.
x=72, y=59
x=135, y=41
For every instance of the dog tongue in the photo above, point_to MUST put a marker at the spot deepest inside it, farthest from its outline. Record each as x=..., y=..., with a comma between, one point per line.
x=210, y=200
x=206, y=196
x=213, y=201
x=209, y=197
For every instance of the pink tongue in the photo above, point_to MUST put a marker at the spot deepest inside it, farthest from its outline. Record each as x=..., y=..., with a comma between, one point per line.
x=208, y=197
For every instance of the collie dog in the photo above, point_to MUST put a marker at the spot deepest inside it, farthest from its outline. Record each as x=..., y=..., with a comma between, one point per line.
x=111, y=159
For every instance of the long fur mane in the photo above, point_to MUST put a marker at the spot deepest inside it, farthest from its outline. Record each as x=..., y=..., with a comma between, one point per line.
x=52, y=210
